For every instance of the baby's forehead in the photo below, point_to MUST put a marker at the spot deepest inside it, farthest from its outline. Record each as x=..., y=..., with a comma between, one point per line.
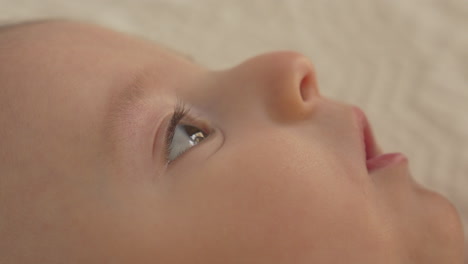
x=48, y=42
x=13, y=34
x=44, y=27
x=17, y=36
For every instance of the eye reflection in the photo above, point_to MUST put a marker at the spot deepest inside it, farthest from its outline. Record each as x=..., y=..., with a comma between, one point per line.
x=185, y=137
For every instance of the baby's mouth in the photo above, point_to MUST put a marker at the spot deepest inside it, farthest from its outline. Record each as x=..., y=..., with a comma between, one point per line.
x=375, y=158
x=372, y=150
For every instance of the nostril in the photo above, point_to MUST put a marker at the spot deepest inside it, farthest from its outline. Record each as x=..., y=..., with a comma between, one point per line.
x=306, y=87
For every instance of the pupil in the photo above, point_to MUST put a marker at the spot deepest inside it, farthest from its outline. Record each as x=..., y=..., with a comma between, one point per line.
x=195, y=134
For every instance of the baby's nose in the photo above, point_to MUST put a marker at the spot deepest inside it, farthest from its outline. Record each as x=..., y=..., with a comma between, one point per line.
x=291, y=86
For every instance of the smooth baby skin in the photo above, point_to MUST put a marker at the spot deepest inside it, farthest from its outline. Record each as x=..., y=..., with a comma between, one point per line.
x=279, y=175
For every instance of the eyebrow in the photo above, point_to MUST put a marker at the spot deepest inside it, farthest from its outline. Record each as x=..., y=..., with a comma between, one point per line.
x=131, y=95
x=134, y=92
x=123, y=105
x=130, y=98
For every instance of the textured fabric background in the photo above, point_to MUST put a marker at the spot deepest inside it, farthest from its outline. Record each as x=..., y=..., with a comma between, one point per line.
x=405, y=62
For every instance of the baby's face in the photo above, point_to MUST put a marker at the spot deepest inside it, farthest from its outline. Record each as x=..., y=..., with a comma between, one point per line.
x=272, y=171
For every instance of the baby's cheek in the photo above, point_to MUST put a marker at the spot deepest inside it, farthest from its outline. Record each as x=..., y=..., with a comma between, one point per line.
x=262, y=210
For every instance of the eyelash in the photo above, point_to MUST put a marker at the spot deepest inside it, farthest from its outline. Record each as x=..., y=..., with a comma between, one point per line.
x=181, y=111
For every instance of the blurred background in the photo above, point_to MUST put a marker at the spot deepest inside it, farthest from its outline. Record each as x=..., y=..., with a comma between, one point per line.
x=405, y=63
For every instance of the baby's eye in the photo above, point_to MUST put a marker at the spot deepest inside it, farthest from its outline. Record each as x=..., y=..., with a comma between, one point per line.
x=184, y=137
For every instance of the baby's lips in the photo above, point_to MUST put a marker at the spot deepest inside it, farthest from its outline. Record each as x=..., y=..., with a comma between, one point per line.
x=372, y=149
x=375, y=158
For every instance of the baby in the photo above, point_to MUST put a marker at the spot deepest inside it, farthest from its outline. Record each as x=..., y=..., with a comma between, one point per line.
x=116, y=150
